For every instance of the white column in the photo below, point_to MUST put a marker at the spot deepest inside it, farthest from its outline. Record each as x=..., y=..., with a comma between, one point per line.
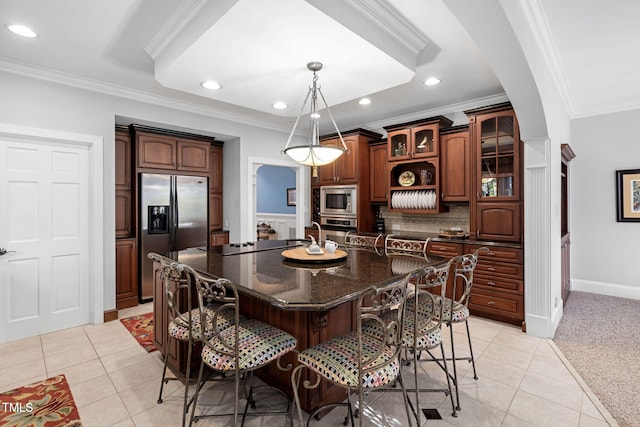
x=540, y=256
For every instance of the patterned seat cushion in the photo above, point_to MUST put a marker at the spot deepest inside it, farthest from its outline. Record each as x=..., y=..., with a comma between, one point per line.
x=428, y=333
x=179, y=329
x=259, y=344
x=460, y=311
x=336, y=360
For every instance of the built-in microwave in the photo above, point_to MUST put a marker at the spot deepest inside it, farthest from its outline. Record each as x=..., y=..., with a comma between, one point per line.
x=340, y=200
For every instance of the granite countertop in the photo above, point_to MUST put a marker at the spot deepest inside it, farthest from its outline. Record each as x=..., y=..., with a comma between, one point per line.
x=289, y=285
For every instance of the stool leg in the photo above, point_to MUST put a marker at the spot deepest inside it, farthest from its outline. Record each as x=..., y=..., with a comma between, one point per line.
x=185, y=407
x=473, y=360
x=455, y=370
x=164, y=370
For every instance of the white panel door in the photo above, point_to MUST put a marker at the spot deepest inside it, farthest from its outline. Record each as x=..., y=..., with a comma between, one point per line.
x=44, y=277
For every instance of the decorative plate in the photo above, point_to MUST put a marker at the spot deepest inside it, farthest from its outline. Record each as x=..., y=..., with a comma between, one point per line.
x=406, y=178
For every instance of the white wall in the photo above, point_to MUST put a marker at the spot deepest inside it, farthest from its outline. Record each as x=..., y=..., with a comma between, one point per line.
x=605, y=253
x=38, y=103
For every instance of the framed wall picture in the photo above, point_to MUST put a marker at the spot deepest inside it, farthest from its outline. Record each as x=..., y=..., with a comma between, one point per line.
x=628, y=195
x=291, y=196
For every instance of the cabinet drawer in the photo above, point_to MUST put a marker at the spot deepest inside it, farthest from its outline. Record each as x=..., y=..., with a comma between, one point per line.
x=497, y=254
x=497, y=302
x=445, y=249
x=494, y=282
x=515, y=271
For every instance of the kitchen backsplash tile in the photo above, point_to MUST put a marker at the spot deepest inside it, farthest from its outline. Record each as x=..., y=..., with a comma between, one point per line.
x=458, y=216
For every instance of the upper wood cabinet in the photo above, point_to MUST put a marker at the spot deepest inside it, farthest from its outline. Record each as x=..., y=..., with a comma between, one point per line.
x=496, y=205
x=414, y=142
x=455, y=163
x=215, y=163
x=378, y=182
x=414, y=176
x=123, y=159
x=170, y=153
x=343, y=170
x=496, y=141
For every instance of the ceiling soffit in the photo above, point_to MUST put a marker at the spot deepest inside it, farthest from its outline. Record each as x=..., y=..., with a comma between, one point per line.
x=258, y=50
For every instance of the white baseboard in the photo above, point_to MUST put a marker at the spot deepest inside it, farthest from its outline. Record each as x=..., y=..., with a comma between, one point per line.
x=611, y=289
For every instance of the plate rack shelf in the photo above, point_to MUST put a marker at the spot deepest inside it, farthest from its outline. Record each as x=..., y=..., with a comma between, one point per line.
x=419, y=194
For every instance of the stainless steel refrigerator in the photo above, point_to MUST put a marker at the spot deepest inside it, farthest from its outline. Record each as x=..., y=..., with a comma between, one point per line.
x=173, y=216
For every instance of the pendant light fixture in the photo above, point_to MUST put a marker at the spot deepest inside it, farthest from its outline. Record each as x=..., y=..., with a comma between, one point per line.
x=313, y=154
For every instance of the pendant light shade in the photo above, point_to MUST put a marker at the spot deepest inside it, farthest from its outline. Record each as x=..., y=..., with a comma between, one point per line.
x=313, y=154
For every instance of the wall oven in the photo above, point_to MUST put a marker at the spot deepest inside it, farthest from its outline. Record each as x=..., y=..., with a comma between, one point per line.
x=336, y=227
x=338, y=200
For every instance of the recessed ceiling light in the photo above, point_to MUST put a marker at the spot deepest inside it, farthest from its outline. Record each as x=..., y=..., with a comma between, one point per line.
x=211, y=84
x=364, y=101
x=432, y=81
x=21, y=30
x=279, y=105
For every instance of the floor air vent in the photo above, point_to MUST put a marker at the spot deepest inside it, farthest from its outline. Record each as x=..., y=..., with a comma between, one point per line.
x=431, y=414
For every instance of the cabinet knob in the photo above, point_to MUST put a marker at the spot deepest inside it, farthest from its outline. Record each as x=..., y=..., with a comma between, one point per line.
x=491, y=302
x=491, y=269
x=491, y=283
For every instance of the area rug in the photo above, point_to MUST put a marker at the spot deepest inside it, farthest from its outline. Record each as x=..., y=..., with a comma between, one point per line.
x=141, y=327
x=599, y=336
x=46, y=403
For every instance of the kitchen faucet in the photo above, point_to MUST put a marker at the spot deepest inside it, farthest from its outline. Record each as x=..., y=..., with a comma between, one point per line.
x=319, y=232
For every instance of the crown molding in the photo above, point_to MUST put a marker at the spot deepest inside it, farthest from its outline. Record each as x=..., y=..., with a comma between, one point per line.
x=103, y=88
x=184, y=12
x=450, y=109
x=534, y=14
x=381, y=25
x=394, y=23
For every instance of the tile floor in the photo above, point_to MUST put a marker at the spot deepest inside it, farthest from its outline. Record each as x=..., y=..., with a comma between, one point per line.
x=114, y=381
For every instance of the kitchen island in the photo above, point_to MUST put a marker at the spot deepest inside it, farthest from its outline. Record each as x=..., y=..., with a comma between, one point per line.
x=312, y=301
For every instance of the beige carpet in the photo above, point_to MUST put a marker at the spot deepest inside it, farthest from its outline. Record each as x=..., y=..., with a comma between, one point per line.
x=600, y=336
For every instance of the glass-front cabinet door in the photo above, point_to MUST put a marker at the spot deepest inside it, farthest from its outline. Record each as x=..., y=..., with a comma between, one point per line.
x=498, y=156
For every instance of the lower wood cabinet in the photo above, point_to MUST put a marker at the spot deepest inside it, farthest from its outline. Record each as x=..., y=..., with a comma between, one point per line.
x=219, y=238
x=498, y=284
x=126, y=273
x=445, y=249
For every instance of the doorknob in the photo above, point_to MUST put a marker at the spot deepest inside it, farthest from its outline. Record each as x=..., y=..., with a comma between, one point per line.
x=3, y=251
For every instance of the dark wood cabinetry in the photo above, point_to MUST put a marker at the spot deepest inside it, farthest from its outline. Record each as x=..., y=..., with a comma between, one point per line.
x=126, y=273
x=565, y=248
x=498, y=290
x=215, y=195
x=124, y=214
x=126, y=262
x=140, y=149
x=170, y=153
x=498, y=221
x=414, y=165
x=343, y=170
x=378, y=182
x=455, y=163
x=124, y=208
x=495, y=207
x=219, y=238
x=350, y=168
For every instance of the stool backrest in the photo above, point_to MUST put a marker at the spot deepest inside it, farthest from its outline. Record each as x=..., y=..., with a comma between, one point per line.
x=177, y=288
x=398, y=246
x=218, y=301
